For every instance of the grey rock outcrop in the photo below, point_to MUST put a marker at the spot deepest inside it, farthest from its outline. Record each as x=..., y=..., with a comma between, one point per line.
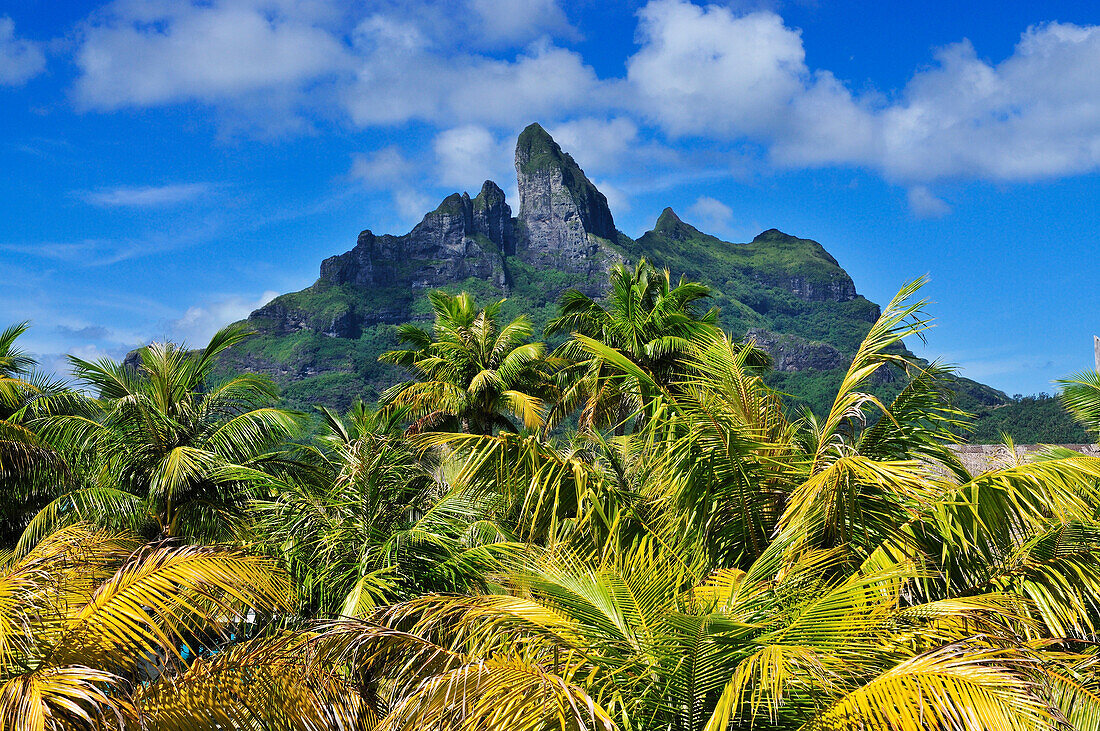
x=564, y=222
x=461, y=238
x=792, y=353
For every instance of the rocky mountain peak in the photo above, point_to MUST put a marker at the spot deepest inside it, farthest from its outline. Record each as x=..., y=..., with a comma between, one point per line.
x=461, y=238
x=670, y=226
x=564, y=221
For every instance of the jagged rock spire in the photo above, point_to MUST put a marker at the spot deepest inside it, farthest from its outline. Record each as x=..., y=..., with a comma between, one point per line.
x=562, y=216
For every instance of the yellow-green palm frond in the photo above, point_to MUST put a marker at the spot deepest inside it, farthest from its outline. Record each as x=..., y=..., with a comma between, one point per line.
x=1081, y=396
x=900, y=318
x=528, y=408
x=499, y=692
x=859, y=501
x=1074, y=687
x=66, y=697
x=161, y=595
x=117, y=508
x=269, y=682
x=954, y=688
x=765, y=681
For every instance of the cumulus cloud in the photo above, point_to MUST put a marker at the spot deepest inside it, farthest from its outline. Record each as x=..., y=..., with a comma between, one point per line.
x=511, y=21
x=702, y=72
x=383, y=168
x=411, y=204
x=141, y=54
x=713, y=215
x=20, y=59
x=469, y=155
x=1034, y=115
x=148, y=196
x=708, y=71
x=598, y=144
x=713, y=73
x=402, y=76
x=199, y=323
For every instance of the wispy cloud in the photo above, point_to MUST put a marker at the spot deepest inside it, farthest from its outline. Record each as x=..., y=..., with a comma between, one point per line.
x=198, y=323
x=20, y=59
x=146, y=196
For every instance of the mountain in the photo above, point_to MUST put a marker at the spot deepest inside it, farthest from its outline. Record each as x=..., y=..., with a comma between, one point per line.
x=322, y=343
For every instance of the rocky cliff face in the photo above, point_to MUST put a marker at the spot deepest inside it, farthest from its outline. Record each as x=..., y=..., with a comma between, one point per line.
x=819, y=277
x=564, y=221
x=791, y=353
x=461, y=238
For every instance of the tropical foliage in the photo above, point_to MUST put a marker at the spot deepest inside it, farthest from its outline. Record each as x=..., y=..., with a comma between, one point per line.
x=160, y=447
x=695, y=555
x=473, y=374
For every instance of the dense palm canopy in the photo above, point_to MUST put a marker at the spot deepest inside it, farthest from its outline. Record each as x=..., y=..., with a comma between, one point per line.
x=695, y=557
x=27, y=465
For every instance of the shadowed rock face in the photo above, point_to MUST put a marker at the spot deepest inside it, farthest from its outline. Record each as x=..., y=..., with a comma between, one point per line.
x=564, y=222
x=459, y=239
x=564, y=225
x=792, y=353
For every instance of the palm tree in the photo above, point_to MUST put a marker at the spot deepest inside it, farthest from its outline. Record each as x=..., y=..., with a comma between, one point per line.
x=647, y=637
x=26, y=465
x=100, y=631
x=166, y=448
x=647, y=319
x=473, y=375
x=758, y=573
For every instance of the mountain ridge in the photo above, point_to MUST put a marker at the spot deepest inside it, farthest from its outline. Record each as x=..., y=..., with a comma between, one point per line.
x=321, y=343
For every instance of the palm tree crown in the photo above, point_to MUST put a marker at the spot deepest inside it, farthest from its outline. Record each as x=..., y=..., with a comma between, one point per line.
x=474, y=375
x=647, y=319
x=168, y=447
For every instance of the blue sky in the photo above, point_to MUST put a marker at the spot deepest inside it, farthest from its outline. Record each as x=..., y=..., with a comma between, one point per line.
x=171, y=165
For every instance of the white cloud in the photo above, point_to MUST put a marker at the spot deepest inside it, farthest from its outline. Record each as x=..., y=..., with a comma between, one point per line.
x=411, y=204
x=404, y=76
x=20, y=59
x=146, y=196
x=924, y=204
x=517, y=21
x=713, y=215
x=149, y=53
x=199, y=323
x=713, y=73
x=707, y=71
x=1034, y=115
x=383, y=168
x=469, y=155
x=598, y=144
x=617, y=199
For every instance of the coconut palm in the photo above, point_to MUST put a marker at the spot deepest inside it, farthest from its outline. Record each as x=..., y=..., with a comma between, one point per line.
x=27, y=466
x=1081, y=396
x=647, y=638
x=846, y=574
x=646, y=318
x=168, y=449
x=474, y=376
